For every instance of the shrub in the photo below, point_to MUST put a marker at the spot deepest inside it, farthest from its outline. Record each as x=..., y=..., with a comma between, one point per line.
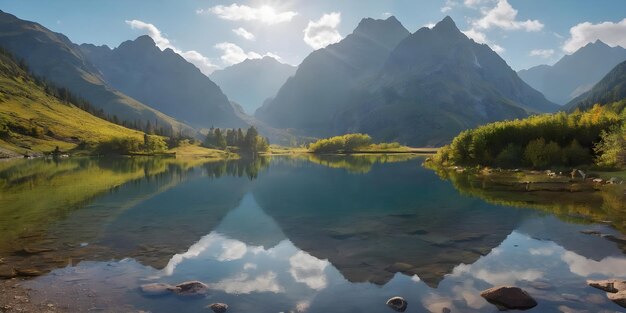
x=345, y=143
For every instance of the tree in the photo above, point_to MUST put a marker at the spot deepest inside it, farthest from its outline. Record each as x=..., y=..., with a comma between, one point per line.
x=251, y=139
x=220, y=141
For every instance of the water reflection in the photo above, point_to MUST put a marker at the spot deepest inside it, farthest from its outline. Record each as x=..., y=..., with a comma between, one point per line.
x=290, y=235
x=283, y=278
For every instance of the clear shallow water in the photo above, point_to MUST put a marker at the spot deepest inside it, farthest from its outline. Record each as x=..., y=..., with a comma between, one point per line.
x=288, y=235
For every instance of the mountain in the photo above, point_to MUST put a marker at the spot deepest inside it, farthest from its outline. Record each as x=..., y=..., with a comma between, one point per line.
x=35, y=121
x=427, y=88
x=327, y=79
x=55, y=58
x=252, y=81
x=574, y=74
x=165, y=81
x=610, y=89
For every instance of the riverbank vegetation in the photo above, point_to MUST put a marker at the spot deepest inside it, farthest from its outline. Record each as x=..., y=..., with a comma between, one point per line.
x=355, y=143
x=594, y=137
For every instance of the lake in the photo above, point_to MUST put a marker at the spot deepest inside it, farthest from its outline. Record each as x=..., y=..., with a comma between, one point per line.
x=288, y=234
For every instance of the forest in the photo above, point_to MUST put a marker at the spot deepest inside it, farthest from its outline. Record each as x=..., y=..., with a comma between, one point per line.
x=593, y=137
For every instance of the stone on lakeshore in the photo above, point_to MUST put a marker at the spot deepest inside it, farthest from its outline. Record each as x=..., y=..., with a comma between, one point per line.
x=512, y=298
x=28, y=272
x=158, y=289
x=192, y=288
x=218, y=307
x=397, y=303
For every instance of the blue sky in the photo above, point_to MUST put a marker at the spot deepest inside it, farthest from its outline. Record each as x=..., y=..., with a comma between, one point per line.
x=214, y=34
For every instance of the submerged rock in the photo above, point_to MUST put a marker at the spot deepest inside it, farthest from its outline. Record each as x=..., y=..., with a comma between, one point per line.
x=608, y=285
x=619, y=298
x=192, y=288
x=511, y=298
x=397, y=303
x=158, y=289
x=218, y=307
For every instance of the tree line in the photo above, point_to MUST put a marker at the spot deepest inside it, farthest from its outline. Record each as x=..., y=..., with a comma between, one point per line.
x=248, y=142
x=542, y=141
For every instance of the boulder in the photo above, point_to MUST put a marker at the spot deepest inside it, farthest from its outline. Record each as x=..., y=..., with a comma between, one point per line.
x=158, y=289
x=608, y=285
x=218, y=307
x=619, y=298
x=510, y=298
x=397, y=303
x=192, y=288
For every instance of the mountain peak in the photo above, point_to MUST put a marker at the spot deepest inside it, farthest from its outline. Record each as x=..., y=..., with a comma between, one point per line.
x=376, y=27
x=385, y=32
x=141, y=44
x=145, y=40
x=447, y=25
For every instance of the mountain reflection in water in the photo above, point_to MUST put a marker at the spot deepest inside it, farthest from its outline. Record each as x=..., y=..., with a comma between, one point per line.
x=301, y=236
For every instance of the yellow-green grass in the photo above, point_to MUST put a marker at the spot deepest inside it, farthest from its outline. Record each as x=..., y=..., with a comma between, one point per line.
x=197, y=151
x=24, y=103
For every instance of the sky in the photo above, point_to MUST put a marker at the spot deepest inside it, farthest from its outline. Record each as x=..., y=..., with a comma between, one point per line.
x=214, y=34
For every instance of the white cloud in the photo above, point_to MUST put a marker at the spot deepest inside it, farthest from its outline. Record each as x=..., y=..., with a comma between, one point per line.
x=242, y=32
x=497, y=48
x=478, y=36
x=194, y=57
x=233, y=54
x=448, y=6
x=544, y=53
x=323, y=32
x=504, y=16
x=243, y=284
x=308, y=270
x=387, y=14
x=475, y=3
x=265, y=14
x=609, y=32
x=152, y=31
x=609, y=266
x=481, y=37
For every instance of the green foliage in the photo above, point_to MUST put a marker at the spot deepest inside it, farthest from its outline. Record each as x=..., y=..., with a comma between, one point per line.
x=345, y=143
x=611, y=149
x=540, y=141
x=153, y=144
x=509, y=156
x=118, y=145
x=540, y=154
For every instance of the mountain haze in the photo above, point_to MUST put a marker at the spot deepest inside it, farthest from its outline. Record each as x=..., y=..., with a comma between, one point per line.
x=574, y=74
x=610, y=89
x=54, y=57
x=165, y=81
x=252, y=81
x=424, y=90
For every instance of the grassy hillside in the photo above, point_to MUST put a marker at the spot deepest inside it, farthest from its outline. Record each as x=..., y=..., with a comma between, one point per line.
x=32, y=121
x=55, y=58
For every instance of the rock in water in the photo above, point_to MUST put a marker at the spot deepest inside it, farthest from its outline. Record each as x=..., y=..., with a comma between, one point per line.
x=192, y=288
x=158, y=289
x=608, y=285
x=218, y=307
x=619, y=298
x=512, y=298
x=397, y=303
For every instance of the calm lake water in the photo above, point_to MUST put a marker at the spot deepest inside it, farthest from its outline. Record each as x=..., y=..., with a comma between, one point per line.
x=340, y=234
